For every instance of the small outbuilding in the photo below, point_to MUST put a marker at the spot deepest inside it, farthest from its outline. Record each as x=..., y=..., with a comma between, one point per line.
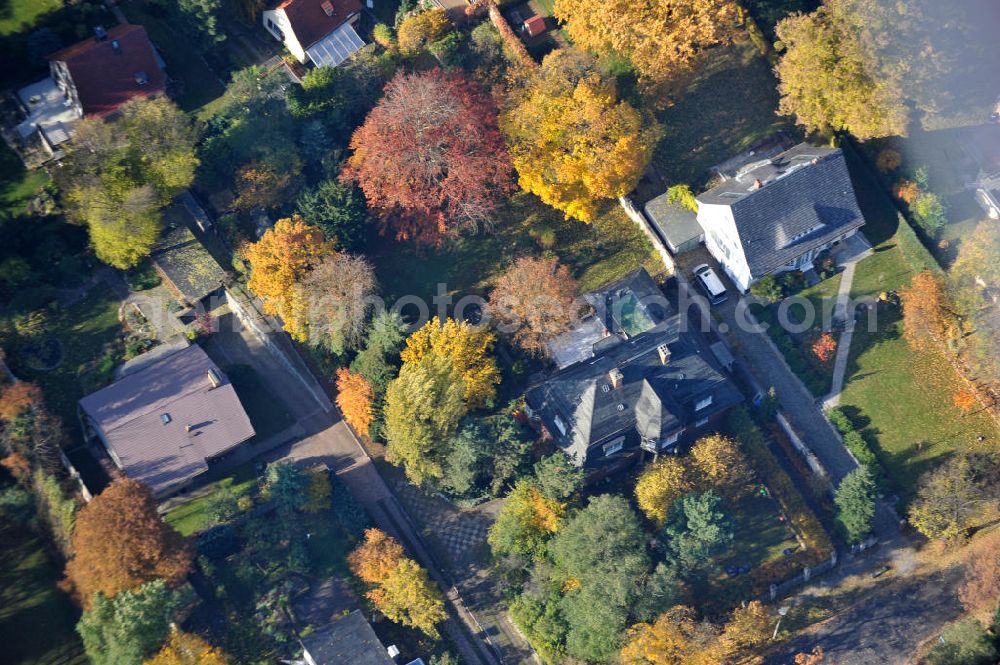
x=677, y=225
x=535, y=26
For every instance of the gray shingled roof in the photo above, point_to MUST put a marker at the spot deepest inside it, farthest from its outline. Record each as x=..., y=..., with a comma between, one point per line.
x=654, y=399
x=676, y=224
x=349, y=639
x=158, y=450
x=787, y=205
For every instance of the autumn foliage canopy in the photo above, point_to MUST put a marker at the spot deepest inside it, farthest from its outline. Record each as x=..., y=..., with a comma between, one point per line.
x=354, y=399
x=537, y=296
x=430, y=159
x=120, y=542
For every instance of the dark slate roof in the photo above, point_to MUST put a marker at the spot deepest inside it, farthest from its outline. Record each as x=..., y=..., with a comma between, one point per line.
x=787, y=205
x=676, y=224
x=654, y=399
x=310, y=21
x=105, y=77
x=162, y=452
x=349, y=639
x=187, y=264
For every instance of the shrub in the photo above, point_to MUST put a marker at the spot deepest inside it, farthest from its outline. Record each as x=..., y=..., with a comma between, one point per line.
x=906, y=191
x=350, y=513
x=929, y=213
x=888, y=160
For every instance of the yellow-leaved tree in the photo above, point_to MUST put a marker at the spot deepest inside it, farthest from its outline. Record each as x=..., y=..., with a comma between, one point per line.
x=572, y=140
x=423, y=407
x=420, y=30
x=720, y=461
x=467, y=347
x=278, y=261
x=187, y=649
x=675, y=638
x=659, y=485
x=661, y=38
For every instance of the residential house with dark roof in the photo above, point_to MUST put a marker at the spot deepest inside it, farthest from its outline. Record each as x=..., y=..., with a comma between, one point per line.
x=779, y=213
x=92, y=78
x=645, y=387
x=165, y=419
x=323, y=32
x=348, y=639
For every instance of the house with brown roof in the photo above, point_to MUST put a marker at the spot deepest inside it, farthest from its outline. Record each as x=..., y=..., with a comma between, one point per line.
x=167, y=417
x=323, y=32
x=92, y=78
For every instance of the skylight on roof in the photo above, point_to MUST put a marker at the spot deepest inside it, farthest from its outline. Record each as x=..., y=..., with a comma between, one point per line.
x=165, y=418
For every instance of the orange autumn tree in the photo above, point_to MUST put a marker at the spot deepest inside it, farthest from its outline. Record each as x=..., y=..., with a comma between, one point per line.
x=925, y=317
x=16, y=397
x=187, y=649
x=278, y=261
x=815, y=657
x=354, y=399
x=824, y=347
x=964, y=399
x=538, y=297
x=376, y=557
x=120, y=542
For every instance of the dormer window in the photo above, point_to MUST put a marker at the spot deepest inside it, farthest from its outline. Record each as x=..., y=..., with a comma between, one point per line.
x=141, y=78
x=614, y=446
x=703, y=403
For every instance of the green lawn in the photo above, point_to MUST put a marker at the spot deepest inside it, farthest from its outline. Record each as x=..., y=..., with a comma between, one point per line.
x=89, y=334
x=195, y=515
x=901, y=400
x=198, y=84
x=17, y=184
x=14, y=14
x=37, y=620
x=595, y=253
x=730, y=104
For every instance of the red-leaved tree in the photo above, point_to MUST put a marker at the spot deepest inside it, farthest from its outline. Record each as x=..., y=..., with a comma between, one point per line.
x=824, y=347
x=430, y=159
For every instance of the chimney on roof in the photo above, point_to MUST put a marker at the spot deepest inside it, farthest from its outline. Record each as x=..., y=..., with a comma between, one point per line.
x=188, y=428
x=116, y=46
x=757, y=184
x=214, y=378
x=664, y=352
x=616, y=377
x=100, y=34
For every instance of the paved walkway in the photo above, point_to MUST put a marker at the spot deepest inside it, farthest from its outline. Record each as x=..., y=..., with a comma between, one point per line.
x=841, y=315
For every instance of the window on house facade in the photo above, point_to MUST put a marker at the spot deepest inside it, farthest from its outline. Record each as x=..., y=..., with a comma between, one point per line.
x=703, y=403
x=671, y=440
x=614, y=446
x=701, y=423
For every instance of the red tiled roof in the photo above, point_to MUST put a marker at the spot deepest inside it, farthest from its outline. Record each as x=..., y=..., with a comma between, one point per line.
x=106, y=79
x=535, y=25
x=310, y=22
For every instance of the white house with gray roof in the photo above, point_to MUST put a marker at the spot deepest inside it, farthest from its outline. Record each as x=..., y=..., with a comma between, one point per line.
x=778, y=214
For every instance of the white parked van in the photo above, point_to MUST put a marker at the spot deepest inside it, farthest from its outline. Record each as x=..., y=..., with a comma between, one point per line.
x=710, y=284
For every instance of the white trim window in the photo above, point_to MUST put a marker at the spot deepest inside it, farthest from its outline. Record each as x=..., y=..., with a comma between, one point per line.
x=703, y=403
x=614, y=446
x=671, y=440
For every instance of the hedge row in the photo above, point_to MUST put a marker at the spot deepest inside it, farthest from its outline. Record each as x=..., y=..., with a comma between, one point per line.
x=816, y=541
x=816, y=382
x=856, y=443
